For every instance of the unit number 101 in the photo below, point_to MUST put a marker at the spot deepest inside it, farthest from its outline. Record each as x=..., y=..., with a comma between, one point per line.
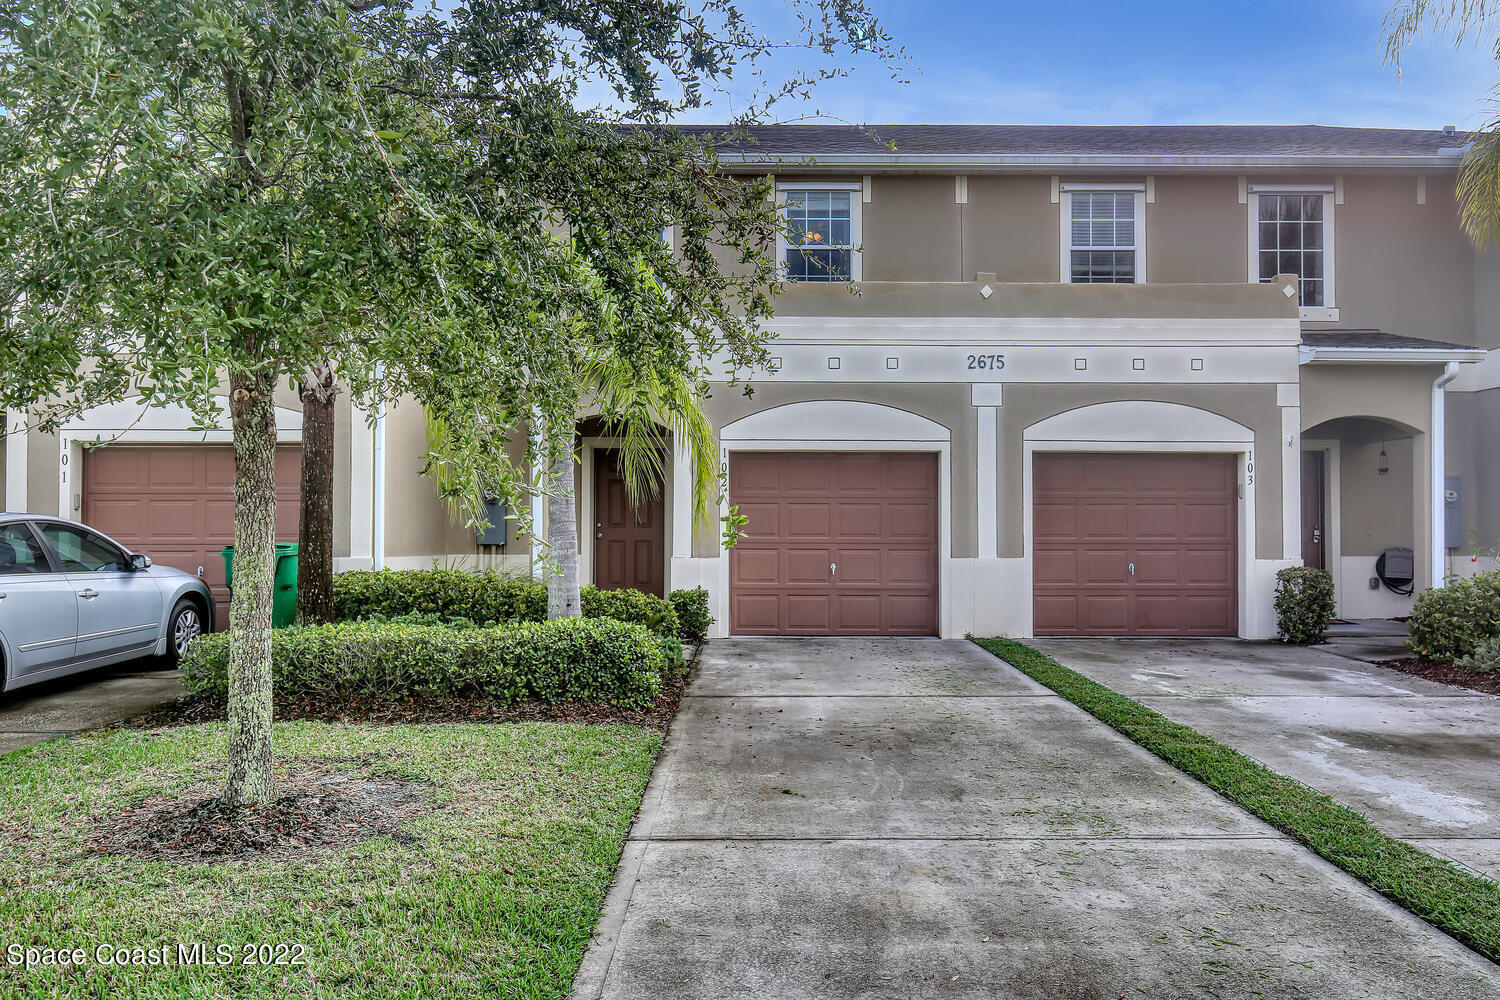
x=986, y=362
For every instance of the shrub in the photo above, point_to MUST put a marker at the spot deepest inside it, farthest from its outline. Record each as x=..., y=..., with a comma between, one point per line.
x=1449, y=622
x=1485, y=658
x=482, y=597
x=1304, y=604
x=693, y=617
x=575, y=659
x=627, y=606
x=450, y=593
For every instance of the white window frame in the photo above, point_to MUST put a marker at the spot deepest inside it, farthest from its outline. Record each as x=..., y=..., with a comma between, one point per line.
x=1328, y=312
x=1065, y=230
x=856, y=227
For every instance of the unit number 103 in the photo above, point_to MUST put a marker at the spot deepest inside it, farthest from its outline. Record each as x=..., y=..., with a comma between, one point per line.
x=986, y=362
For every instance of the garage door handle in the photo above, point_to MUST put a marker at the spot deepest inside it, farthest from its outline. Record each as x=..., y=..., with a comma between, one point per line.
x=200, y=570
x=88, y=593
x=1132, y=569
x=833, y=569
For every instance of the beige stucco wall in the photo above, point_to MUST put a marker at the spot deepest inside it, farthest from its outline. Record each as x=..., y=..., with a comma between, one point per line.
x=912, y=230
x=1195, y=231
x=1010, y=228
x=1253, y=406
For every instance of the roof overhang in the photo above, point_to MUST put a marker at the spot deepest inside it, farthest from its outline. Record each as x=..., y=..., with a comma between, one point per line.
x=980, y=163
x=1307, y=355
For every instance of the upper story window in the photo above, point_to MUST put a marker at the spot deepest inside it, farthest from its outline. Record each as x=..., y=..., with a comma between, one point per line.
x=823, y=238
x=1291, y=232
x=1103, y=236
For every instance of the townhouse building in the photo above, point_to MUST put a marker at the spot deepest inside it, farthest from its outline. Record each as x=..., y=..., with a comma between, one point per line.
x=1088, y=381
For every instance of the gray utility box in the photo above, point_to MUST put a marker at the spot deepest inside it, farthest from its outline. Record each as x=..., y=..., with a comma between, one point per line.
x=1453, y=512
x=494, y=512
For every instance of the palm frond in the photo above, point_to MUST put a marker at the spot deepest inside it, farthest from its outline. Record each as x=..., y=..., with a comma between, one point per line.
x=1479, y=186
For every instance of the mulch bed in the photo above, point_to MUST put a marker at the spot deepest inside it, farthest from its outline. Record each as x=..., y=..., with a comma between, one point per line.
x=413, y=711
x=316, y=808
x=1447, y=673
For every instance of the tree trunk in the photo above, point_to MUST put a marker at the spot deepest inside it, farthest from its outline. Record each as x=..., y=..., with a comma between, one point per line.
x=253, y=413
x=562, y=536
x=315, y=527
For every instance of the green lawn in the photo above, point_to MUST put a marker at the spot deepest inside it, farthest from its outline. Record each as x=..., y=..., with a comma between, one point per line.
x=1464, y=905
x=496, y=897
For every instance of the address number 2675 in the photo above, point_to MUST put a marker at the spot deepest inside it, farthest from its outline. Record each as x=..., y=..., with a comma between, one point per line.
x=986, y=362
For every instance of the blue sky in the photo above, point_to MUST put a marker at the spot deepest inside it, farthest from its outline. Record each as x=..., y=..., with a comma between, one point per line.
x=1091, y=62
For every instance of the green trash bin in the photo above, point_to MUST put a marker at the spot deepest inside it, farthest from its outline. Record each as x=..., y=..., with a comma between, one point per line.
x=283, y=582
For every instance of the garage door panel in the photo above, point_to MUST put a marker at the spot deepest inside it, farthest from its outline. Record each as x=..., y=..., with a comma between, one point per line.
x=809, y=612
x=176, y=503
x=756, y=612
x=857, y=474
x=754, y=565
x=1174, y=516
x=761, y=519
x=1104, y=520
x=1105, y=566
x=1054, y=520
x=859, y=567
x=1056, y=566
x=910, y=568
x=877, y=512
x=804, y=520
x=911, y=520
x=1207, y=521
x=807, y=565
x=859, y=520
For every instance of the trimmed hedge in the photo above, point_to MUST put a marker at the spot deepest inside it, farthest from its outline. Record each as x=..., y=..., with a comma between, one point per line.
x=1449, y=622
x=571, y=659
x=486, y=598
x=693, y=617
x=1304, y=604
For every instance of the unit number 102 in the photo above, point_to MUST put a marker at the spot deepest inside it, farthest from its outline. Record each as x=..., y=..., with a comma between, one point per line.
x=986, y=362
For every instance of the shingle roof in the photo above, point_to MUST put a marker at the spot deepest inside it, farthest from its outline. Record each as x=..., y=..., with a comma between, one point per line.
x=1086, y=140
x=1377, y=340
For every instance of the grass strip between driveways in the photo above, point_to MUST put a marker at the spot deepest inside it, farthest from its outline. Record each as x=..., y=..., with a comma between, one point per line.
x=1463, y=905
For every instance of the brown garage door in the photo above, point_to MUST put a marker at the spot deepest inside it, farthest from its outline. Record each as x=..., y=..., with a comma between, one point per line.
x=1135, y=545
x=176, y=504
x=836, y=544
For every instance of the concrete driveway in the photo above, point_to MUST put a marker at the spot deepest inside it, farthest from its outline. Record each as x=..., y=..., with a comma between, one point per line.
x=914, y=818
x=84, y=701
x=1420, y=759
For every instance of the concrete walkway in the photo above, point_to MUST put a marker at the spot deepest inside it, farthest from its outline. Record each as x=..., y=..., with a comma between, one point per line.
x=84, y=701
x=914, y=818
x=1420, y=759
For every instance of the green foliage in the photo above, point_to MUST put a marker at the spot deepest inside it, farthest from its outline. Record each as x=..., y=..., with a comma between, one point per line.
x=656, y=614
x=1304, y=604
x=1463, y=905
x=1449, y=622
x=483, y=597
x=693, y=617
x=1485, y=658
x=447, y=593
x=575, y=659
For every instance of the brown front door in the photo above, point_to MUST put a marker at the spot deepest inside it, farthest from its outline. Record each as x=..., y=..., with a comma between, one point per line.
x=1134, y=544
x=629, y=542
x=175, y=503
x=1314, y=503
x=836, y=544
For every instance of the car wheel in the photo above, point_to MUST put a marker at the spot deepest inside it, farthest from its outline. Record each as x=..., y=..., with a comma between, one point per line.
x=185, y=625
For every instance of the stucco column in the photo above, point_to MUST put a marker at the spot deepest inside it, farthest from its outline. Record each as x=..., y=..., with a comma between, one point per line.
x=1288, y=399
x=986, y=398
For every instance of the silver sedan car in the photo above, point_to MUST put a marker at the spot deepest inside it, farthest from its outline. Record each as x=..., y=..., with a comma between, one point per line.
x=72, y=599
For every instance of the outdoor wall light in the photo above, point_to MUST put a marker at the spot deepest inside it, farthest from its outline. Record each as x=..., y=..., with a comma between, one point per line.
x=1385, y=464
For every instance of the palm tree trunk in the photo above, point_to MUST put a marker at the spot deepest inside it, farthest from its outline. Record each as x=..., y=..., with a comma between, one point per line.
x=315, y=527
x=562, y=535
x=253, y=415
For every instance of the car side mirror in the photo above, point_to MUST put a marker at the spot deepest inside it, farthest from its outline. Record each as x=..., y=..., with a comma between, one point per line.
x=139, y=562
